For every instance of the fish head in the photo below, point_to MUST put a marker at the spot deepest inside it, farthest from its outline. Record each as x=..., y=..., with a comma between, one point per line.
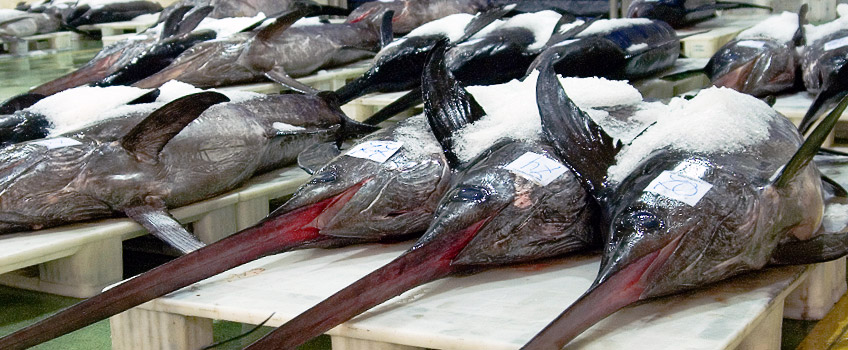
x=522, y=219
x=757, y=67
x=34, y=185
x=694, y=222
x=393, y=197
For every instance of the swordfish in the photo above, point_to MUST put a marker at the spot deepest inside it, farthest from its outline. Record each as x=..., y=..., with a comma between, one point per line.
x=684, y=207
x=179, y=154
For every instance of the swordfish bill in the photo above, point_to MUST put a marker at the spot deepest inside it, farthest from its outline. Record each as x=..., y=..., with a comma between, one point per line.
x=274, y=234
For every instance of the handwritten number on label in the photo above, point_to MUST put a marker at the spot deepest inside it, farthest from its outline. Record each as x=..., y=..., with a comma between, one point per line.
x=378, y=151
x=536, y=167
x=679, y=187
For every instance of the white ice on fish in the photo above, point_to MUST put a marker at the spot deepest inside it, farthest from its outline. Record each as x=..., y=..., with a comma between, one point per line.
x=780, y=27
x=146, y=18
x=96, y=4
x=416, y=137
x=637, y=47
x=308, y=21
x=452, y=27
x=511, y=110
x=715, y=120
x=174, y=89
x=814, y=33
x=225, y=27
x=286, y=127
x=541, y=24
x=606, y=26
x=124, y=110
x=73, y=108
x=835, y=217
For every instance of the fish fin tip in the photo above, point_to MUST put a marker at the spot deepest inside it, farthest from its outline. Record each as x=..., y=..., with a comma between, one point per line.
x=405, y=102
x=279, y=76
x=386, y=29
x=152, y=214
x=810, y=147
x=799, y=39
x=150, y=136
x=191, y=20
x=482, y=20
x=447, y=105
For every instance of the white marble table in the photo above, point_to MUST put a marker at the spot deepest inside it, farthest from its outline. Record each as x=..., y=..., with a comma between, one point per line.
x=496, y=309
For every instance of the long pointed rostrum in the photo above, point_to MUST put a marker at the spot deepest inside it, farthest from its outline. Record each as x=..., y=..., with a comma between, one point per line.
x=423, y=263
x=275, y=234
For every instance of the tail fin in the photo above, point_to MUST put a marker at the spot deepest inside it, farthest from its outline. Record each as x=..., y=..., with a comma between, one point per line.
x=482, y=20
x=193, y=19
x=447, y=105
x=810, y=147
x=585, y=147
x=172, y=22
x=350, y=127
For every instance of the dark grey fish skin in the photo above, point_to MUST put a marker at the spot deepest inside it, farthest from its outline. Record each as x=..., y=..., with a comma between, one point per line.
x=683, y=13
x=398, y=196
x=608, y=55
x=409, y=14
x=226, y=145
x=116, y=12
x=821, y=61
x=524, y=220
x=758, y=67
x=658, y=246
x=298, y=51
x=504, y=51
x=229, y=8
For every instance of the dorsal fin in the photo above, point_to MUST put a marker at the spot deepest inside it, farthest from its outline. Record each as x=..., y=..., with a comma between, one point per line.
x=571, y=32
x=172, y=22
x=283, y=22
x=798, y=38
x=193, y=19
x=810, y=147
x=447, y=105
x=482, y=20
x=584, y=146
x=385, y=30
x=147, y=139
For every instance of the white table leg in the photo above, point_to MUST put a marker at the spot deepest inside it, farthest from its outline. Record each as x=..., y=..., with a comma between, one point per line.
x=216, y=225
x=816, y=295
x=766, y=335
x=138, y=329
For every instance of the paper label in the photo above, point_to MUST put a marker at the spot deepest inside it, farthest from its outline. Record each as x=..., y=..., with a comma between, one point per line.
x=835, y=44
x=537, y=168
x=679, y=187
x=751, y=43
x=378, y=151
x=57, y=142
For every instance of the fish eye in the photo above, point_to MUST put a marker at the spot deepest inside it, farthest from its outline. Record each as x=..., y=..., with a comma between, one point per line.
x=470, y=194
x=327, y=176
x=645, y=220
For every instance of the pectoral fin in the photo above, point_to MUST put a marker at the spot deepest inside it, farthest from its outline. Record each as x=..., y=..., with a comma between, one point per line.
x=316, y=156
x=155, y=218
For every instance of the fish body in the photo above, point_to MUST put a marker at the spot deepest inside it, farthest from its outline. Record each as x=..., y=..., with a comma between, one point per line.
x=225, y=8
x=617, y=49
x=111, y=12
x=409, y=14
x=822, y=59
x=18, y=24
x=760, y=61
x=677, y=13
x=298, y=51
x=507, y=50
x=51, y=185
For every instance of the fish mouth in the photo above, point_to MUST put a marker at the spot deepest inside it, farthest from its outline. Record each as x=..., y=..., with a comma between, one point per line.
x=621, y=289
x=736, y=78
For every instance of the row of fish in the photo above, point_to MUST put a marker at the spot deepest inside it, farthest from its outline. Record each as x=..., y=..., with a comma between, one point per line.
x=53, y=15
x=766, y=59
x=485, y=206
